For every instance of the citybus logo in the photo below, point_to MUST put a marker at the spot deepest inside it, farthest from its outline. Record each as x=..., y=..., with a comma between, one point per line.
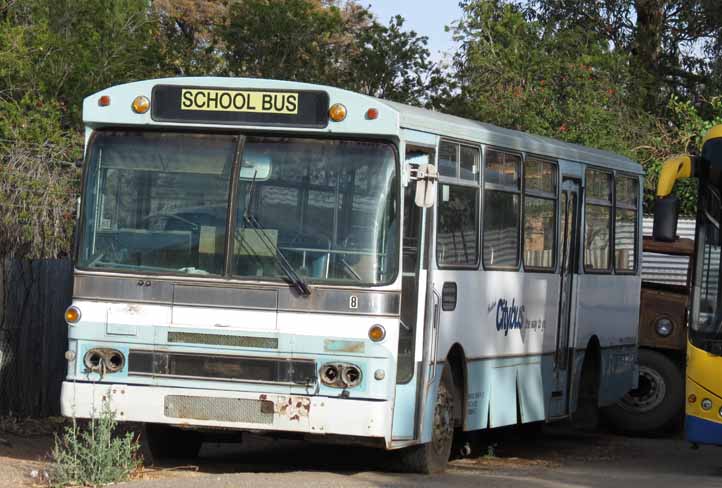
x=509, y=317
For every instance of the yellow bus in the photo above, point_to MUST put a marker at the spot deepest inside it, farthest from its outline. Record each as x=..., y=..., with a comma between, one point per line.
x=703, y=420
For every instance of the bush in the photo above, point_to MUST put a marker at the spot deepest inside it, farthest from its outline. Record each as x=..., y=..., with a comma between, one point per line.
x=96, y=454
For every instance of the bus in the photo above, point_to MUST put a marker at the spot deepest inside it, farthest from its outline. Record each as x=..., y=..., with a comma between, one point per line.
x=300, y=260
x=703, y=410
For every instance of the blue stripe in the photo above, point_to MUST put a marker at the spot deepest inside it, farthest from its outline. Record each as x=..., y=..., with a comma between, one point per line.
x=701, y=431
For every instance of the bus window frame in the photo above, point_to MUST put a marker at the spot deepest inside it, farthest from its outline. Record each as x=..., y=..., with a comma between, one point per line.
x=636, y=268
x=545, y=196
x=458, y=181
x=610, y=226
x=495, y=187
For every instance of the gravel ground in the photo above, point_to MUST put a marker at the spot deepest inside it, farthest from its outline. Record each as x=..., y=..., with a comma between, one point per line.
x=554, y=458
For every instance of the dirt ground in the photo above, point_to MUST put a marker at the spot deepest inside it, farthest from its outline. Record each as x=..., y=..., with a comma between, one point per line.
x=554, y=457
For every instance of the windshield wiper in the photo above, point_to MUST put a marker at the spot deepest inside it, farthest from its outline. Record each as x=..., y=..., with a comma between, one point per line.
x=281, y=261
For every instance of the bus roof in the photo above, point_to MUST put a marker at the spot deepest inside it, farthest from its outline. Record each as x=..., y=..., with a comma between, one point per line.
x=393, y=116
x=445, y=125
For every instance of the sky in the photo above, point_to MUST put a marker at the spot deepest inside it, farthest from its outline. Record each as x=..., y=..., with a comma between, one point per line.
x=426, y=17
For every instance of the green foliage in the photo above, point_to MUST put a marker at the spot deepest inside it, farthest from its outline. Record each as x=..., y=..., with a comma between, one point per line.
x=391, y=63
x=95, y=454
x=680, y=133
x=525, y=75
x=290, y=39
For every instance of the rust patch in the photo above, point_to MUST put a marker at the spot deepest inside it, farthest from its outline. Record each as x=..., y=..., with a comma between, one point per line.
x=263, y=397
x=293, y=407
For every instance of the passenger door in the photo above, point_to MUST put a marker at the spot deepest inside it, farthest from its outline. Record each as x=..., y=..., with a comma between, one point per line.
x=413, y=305
x=568, y=252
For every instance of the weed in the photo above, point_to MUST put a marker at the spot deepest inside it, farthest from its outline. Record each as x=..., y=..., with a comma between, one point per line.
x=95, y=454
x=490, y=451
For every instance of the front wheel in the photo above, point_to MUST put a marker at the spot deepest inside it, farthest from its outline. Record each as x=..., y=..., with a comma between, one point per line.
x=657, y=401
x=433, y=457
x=162, y=442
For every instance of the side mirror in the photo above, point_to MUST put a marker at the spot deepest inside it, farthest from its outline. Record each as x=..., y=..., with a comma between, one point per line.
x=426, y=177
x=666, y=210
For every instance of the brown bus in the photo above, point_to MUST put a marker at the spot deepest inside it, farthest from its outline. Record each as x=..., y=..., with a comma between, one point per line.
x=657, y=404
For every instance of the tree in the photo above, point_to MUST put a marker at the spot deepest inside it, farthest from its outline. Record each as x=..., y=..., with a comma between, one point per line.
x=189, y=31
x=291, y=39
x=674, y=44
x=322, y=42
x=392, y=63
x=564, y=83
x=64, y=50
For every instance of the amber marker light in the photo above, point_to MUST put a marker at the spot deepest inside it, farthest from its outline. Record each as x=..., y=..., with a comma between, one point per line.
x=692, y=398
x=141, y=105
x=377, y=333
x=372, y=114
x=337, y=112
x=104, y=101
x=72, y=314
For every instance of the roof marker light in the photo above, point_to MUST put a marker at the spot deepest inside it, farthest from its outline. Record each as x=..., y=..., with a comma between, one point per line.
x=337, y=112
x=104, y=101
x=372, y=114
x=141, y=104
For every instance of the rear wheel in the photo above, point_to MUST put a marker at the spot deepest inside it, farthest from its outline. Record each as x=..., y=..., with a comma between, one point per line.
x=433, y=457
x=656, y=403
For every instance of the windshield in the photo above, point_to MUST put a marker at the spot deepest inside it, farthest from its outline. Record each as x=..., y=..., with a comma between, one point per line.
x=706, y=324
x=158, y=203
x=329, y=207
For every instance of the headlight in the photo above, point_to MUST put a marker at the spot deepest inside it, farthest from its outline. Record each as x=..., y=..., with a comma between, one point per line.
x=664, y=327
x=706, y=404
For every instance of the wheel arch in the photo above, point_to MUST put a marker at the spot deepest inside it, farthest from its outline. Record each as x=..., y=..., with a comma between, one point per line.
x=456, y=358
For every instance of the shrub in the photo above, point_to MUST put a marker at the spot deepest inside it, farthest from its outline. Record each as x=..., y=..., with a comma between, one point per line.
x=96, y=454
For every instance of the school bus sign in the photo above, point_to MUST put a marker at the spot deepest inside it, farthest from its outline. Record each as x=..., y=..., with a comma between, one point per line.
x=239, y=106
x=240, y=101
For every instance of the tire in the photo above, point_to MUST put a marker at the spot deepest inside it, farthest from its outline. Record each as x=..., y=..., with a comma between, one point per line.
x=161, y=442
x=656, y=404
x=433, y=457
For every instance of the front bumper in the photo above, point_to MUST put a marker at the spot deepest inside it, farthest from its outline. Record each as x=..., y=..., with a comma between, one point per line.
x=230, y=409
x=701, y=431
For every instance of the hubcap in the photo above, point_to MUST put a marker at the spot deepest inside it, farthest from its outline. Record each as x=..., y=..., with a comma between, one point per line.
x=648, y=395
x=443, y=422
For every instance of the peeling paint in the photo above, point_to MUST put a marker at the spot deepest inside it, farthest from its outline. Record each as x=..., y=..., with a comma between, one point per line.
x=293, y=407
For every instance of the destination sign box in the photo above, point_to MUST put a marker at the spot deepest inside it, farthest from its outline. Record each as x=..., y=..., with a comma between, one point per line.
x=228, y=106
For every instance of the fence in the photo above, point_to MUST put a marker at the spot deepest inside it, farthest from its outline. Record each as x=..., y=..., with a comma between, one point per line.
x=664, y=268
x=33, y=334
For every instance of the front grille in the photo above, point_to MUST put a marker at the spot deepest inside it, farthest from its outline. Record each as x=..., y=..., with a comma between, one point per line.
x=219, y=409
x=227, y=368
x=223, y=340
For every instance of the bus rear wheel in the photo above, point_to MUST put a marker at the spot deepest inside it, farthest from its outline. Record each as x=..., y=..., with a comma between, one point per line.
x=433, y=457
x=656, y=403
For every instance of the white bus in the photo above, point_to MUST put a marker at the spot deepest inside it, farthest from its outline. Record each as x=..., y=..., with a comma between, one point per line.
x=278, y=257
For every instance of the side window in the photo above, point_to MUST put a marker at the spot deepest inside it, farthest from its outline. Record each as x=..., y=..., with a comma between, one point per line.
x=540, y=214
x=502, y=195
x=458, y=161
x=597, y=217
x=448, y=159
x=457, y=226
x=625, y=224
